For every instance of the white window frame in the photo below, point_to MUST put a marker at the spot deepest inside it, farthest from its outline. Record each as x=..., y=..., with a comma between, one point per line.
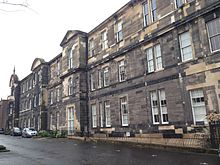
x=58, y=94
x=51, y=97
x=101, y=113
x=154, y=58
x=124, y=111
x=107, y=114
x=92, y=81
x=39, y=99
x=58, y=67
x=155, y=108
x=202, y=104
x=163, y=108
x=149, y=12
x=94, y=115
x=106, y=77
x=210, y=43
x=70, y=122
x=70, y=58
x=35, y=101
x=39, y=123
x=121, y=71
x=159, y=110
x=100, y=78
x=70, y=86
x=91, y=47
x=119, y=31
x=58, y=120
x=183, y=47
x=179, y=3
x=104, y=40
x=51, y=121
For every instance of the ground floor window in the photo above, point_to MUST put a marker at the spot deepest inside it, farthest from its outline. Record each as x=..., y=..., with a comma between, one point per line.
x=94, y=116
x=159, y=107
x=70, y=120
x=198, y=106
x=124, y=111
x=39, y=123
x=101, y=113
x=107, y=113
x=58, y=120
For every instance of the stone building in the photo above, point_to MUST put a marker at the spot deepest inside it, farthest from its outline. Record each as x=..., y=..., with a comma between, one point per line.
x=3, y=113
x=154, y=65
x=67, y=89
x=151, y=66
x=13, y=102
x=33, y=97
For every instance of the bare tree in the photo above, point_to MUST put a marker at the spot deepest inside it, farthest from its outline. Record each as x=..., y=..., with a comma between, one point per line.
x=13, y=5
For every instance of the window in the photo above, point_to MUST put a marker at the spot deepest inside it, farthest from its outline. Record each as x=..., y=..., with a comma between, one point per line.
x=104, y=40
x=70, y=112
x=146, y=14
x=124, y=111
x=119, y=34
x=198, y=106
x=154, y=58
x=163, y=106
x=214, y=34
x=29, y=104
x=179, y=3
x=58, y=68
x=39, y=99
x=154, y=10
x=51, y=97
x=70, y=86
x=149, y=12
x=106, y=77
x=51, y=121
x=70, y=58
x=159, y=107
x=185, y=46
x=58, y=94
x=100, y=78
x=94, y=116
x=35, y=100
x=121, y=71
x=58, y=120
x=39, y=123
x=91, y=47
x=101, y=115
x=92, y=79
x=107, y=113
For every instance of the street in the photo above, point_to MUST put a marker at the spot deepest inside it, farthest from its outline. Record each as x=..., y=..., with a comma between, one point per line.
x=44, y=151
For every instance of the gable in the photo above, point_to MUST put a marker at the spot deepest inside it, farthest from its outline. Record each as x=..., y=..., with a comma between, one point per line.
x=37, y=62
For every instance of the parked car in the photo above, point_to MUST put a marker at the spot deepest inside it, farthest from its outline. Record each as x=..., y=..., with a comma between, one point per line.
x=2, y=131
x=15, y=131
x=29, y=132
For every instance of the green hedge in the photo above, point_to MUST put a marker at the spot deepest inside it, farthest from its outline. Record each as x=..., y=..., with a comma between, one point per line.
x=53, y=134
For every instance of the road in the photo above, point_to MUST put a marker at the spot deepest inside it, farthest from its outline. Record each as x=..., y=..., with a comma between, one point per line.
x=43, y=151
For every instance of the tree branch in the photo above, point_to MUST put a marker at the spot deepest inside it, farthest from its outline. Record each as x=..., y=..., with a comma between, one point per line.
x=24, y=4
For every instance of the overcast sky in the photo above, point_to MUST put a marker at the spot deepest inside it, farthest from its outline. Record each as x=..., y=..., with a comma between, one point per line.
x=27, y=34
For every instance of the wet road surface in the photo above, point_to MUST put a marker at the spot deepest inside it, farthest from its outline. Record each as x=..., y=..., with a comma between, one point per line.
x=42, y=151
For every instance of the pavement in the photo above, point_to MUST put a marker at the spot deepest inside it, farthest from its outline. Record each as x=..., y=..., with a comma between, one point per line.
x=48, y=151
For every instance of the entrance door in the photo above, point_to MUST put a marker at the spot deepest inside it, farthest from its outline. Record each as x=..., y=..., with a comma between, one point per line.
x=70, y=121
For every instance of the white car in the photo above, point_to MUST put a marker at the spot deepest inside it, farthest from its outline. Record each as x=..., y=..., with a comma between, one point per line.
x=29, y=132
